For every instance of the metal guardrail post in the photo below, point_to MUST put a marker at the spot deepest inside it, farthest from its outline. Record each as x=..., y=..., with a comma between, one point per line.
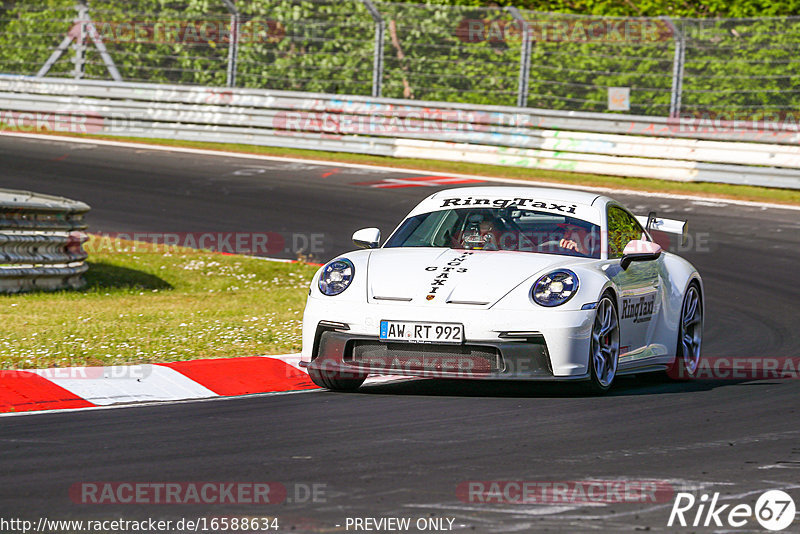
x=677, y=69
x=525, y=57
x=377, y=62
x=233, y=43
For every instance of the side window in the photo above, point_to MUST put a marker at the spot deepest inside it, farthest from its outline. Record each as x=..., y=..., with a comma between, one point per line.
x=622, y=228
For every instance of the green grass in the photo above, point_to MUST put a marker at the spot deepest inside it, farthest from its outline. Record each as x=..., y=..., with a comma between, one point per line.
x=143, y=307
x=706, y=189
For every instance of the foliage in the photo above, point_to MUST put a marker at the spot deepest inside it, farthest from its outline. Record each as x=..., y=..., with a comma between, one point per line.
x=462, y=52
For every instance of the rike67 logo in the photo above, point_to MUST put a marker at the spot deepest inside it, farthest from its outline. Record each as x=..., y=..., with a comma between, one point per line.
x=774, y=510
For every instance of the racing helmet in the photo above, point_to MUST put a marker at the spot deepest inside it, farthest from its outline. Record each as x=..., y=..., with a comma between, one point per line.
x=477, y=234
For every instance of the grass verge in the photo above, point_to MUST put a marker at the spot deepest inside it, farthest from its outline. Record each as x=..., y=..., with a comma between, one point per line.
x=142, y=306
x=706, y=189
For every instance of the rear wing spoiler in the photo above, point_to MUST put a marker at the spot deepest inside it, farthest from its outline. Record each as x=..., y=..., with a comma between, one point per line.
x=668, y=226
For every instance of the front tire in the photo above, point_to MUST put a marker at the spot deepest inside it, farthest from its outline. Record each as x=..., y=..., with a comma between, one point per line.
x=334, y=380
x=604, y=346
x=690, y=336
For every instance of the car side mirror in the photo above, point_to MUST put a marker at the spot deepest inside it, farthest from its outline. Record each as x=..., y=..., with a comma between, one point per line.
x=639, y=250
x=367, y=238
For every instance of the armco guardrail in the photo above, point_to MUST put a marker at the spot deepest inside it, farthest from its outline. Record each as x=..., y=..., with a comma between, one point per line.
x=683, y=149
x=41, y=238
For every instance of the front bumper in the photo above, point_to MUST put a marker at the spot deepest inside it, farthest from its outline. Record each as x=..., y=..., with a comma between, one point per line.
x=528, y=345
x=347, y=355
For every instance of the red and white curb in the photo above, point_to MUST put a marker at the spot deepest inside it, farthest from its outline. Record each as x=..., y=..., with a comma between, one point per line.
x=84, y=387
x=68, y=388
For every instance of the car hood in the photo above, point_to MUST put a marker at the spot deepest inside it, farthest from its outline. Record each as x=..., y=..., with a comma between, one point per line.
x=441, y=276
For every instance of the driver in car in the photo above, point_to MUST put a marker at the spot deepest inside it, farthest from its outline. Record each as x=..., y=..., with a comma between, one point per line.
x=576, y=238
x=480, y=233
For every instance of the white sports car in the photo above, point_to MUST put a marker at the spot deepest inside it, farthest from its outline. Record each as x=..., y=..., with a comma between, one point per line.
x=506, y=283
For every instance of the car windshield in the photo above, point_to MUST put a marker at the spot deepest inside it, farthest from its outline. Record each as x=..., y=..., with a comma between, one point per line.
x=508, y=228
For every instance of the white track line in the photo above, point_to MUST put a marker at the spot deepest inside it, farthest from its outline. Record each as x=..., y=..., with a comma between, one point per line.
x=157, y=403
x=221, y=153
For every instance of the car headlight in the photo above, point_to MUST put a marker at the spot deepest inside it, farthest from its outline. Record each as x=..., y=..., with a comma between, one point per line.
x=336, y=276
x=555, y=288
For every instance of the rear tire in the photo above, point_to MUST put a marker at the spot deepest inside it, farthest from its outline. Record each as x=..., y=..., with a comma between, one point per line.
x=604, y=346
x=334, y=380
x=690, y=336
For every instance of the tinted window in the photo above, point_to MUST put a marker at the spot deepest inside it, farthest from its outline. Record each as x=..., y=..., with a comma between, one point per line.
x=622, y=228
x=508, y=228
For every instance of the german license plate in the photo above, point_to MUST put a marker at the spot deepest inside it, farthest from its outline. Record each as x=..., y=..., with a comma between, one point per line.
x=414, y=332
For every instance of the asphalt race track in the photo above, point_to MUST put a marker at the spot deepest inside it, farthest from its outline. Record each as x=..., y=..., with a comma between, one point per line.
x=402, y=449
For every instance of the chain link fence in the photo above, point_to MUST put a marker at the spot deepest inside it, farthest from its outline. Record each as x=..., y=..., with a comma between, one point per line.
x=734, y=68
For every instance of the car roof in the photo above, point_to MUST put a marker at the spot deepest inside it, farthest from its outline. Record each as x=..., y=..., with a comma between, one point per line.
x=550, y=193
x=580, y=204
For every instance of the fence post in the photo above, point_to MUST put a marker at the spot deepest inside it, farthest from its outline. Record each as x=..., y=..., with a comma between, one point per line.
x=525, y=57
x=677, y=69
x=233, y=43
x=79, y=46
x=377, y=62
x=82, y=28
